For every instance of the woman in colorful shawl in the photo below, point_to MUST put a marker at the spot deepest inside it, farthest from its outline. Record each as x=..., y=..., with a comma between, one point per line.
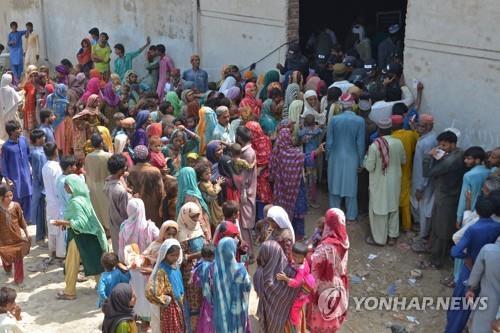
x=29, y=111
x=58, y=103
x=271, y=112
x=140, y=137
x=84, y=55
x=329, y=268
x=176, y=103
x=62, y=74
x=169, y=229
x=86, y=238
x=93, y=87
x=118, y=310
x=251, y=101
x=179, y=146
x=215, y=149
x=191, y=237
x=280, y=229
x=190, y=105
x=286, y=171
x=188, y=191
x=130, y=79
x=76, y=88
x=111, y=102
x=137, y=230
x=84, y=124
x=9, y=103
x=262, y=145
x=206, y=126
x=312, y=106
x=293, y=92
x=275, y=297
x=165, y=290
x=231, y=289
x=270, y=77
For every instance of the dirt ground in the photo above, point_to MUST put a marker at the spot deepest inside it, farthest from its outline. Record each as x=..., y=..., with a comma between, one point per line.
x=389, y=270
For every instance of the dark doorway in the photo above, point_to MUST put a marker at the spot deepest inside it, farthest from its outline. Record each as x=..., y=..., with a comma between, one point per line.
x=339, y=16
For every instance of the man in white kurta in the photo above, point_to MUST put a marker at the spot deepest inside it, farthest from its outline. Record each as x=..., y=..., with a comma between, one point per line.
x=31, y=46
x=385, y=185
x=54, y=208
x=422, y=198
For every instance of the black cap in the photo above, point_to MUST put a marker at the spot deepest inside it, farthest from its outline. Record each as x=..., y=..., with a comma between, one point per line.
x=350, y=61
x=393, y=68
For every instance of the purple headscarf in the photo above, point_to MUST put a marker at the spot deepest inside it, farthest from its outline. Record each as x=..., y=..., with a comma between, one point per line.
x=109, y=96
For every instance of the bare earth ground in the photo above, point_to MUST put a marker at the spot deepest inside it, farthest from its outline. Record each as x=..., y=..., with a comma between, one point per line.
x=43, y=313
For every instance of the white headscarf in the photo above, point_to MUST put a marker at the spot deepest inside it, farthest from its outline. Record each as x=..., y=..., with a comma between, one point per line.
x=188, y=229
x=162, y=252
x=308, y=109
x=228, y=83
x=9, y=101
x=120, y=143
x=279, y=215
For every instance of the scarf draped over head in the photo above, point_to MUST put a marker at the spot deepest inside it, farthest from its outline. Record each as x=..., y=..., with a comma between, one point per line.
x=270, y=77
x=120, y=143
x=176, y=103
x=154, y=129
x=261, y=143
x=228, y=83
x=267, y=119
x=109, y=96
x=141, y=118
x=212, y=147
x=206, y=126
x=164, y=228
x=231, y=289
x=175, y=281
x=335, y=231
x=58, y=102
x=312, y=83
x=93, y=87
x=250, y=101
x=61, y=69
x=233, y=93
x=188, y=185
x=85, y=54
x=9, y=97
x=294, y=113
x=225, y=229
x=286, y=167
x=383, y=147
x=76, y=84
x=136, y=229
x=280, y=216
x=80, y=211
x=188, y=228
x=275, y=297
x=117, y=308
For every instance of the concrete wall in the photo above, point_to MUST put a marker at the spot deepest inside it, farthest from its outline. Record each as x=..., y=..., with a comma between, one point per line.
x=453, y=47
x=254, y=27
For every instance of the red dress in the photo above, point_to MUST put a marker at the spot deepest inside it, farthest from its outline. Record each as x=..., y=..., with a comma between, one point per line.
x=29, y=111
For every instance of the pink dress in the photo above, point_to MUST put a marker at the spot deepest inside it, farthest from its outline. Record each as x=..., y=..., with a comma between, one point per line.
x=304, y=280
x=166, y=66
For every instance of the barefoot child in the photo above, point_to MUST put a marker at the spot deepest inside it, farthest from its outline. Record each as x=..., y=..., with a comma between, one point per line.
x=13, y=246
x=115, y=273
x=166, y=291
x=210, y=192
x=303, y=279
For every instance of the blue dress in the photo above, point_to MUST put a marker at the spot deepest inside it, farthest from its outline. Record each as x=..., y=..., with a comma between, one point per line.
x=485, y=231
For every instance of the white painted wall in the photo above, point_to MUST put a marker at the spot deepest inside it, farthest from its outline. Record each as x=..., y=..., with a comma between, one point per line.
x=222, y=31
x=453, y=47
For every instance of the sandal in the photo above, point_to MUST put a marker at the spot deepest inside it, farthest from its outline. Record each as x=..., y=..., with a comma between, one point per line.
x=63, y=297
x=369, y=240
x=448, y=282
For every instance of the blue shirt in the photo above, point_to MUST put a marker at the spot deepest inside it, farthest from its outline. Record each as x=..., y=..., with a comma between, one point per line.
x=199, y=78
x=15, y=44
x=108, y=281
x=484, y=231
x=49, y=132
x=38, y=160
x=473, y=181
x=15, y=166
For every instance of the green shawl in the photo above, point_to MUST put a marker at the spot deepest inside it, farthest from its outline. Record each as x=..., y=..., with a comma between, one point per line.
x=176, y=103
x=188, y=185
x=80, y=213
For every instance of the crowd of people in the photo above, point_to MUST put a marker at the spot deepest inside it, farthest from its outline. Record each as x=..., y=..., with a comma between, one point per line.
x=167, y=188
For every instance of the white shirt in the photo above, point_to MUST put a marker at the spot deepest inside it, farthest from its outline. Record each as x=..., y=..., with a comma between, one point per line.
x=8, y=324
x=470, y=218
x=383, y=110
x=343, y=85
x=50, y=171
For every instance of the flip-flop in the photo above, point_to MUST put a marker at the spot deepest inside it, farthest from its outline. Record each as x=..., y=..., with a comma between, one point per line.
x=448, y=282
x=369, y=240
x=63, y=297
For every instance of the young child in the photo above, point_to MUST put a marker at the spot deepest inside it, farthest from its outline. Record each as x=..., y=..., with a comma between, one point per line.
x=165, y=289
x=156, y=157
x=189, y=123
x=239, y=164
x=10, y=312
x=201, y=276
x=115, y=272
x=310, y=136
x=317, y=234
x=303, y=279
x=210, y=192
x=117, y=118
x=262, y=227
x=13, y=247
x=230, y=228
